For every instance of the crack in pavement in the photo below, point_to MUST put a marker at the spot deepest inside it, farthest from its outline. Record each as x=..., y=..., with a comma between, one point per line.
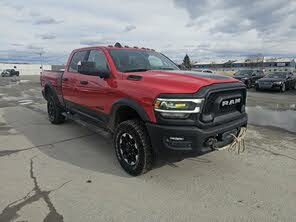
x=9, y=152
x=10, y=212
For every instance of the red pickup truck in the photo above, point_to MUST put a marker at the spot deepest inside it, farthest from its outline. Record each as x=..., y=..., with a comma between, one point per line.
x=148, y=104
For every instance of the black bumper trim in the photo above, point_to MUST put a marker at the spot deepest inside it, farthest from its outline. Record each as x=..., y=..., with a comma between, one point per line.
x=192, y=134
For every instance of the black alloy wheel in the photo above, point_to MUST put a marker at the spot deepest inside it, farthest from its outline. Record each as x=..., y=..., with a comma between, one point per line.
x=128, y=149
x=132, y=147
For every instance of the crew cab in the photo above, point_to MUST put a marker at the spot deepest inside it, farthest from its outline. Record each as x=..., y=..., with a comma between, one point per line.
x=249, y=76
x=147, y=103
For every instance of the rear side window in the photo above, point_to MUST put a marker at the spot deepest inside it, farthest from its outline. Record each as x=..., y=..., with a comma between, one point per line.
x=99, y=58
x=77, y=58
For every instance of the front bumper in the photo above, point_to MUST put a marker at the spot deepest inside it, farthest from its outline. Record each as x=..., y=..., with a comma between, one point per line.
x=191, y=139
x=269, y=86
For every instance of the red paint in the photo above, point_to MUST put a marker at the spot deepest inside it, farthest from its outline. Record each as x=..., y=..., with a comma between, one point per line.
x=100, y=94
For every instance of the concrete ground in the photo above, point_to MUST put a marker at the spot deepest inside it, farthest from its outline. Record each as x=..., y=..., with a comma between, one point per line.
x=69, y=172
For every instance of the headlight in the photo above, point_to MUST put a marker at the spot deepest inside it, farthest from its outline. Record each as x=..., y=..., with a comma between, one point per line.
x=256, y=82
x=177, y=108
x=278, y=83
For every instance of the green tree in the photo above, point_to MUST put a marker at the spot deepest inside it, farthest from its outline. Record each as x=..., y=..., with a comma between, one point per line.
x=186, y=62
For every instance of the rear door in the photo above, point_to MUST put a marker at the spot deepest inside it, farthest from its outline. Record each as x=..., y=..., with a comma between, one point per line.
x=93, y=90
x=69, y=78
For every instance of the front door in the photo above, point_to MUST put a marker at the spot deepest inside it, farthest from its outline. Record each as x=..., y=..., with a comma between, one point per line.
x=69, y=78
x=92, y=90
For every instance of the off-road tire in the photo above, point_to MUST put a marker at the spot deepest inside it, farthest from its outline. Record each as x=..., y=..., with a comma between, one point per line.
x=54, y=111
x=140, y=135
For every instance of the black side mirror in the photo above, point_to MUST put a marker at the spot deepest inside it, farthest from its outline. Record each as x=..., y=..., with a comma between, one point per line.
x=89, y=68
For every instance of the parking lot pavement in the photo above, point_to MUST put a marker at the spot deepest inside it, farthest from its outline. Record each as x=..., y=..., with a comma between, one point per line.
x=69, y=172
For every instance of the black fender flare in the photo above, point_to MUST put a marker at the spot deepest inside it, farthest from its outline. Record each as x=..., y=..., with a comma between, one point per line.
x=127, y=103
x=48, y=87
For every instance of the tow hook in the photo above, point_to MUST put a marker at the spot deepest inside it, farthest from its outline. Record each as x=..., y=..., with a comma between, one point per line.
x=212, y=143
x=238, y=144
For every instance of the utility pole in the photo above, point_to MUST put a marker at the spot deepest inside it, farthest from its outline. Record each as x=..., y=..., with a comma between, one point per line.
x=41, y=61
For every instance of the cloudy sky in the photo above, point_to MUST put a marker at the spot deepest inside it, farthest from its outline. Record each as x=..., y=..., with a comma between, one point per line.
x=204, y=29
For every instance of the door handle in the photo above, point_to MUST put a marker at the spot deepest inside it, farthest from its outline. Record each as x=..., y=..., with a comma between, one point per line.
x=65, y=79
x=83, y=82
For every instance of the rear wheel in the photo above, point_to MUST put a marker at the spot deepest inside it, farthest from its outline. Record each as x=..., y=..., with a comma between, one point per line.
x=55, y=115
x=132, y=147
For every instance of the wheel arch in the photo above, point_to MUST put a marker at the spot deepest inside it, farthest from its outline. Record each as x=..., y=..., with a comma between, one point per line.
x=49, y=89
x=124, y=109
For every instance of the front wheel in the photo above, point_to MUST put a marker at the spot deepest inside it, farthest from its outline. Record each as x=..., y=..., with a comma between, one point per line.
x=133, y=148
x=54, y=112
x=249, y=84
x=283, y=88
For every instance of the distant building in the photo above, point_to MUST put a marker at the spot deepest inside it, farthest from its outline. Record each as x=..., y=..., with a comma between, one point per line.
x=267, y=64
x=274, y=64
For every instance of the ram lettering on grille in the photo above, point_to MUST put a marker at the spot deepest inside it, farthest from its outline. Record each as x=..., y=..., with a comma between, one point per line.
x=231, y=102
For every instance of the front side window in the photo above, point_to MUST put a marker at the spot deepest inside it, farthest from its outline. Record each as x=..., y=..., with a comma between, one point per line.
x=128, y=60
x=76, y=60
x=98, y=57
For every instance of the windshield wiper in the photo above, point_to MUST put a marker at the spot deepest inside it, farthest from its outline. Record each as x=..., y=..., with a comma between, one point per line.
x=136, y=70
x=165, y=68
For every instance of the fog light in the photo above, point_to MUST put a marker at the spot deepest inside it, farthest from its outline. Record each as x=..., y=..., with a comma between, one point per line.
x=177, y=138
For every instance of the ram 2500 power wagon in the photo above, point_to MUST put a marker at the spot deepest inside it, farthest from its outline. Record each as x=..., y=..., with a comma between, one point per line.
x=147, y=103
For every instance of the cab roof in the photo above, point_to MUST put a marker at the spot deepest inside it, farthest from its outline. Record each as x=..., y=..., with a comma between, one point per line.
x=116, y=46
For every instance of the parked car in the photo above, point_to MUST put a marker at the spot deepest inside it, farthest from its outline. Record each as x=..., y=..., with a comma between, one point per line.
x=147, y=103
x=278, y=81
x=10, y=72
x=249, y=76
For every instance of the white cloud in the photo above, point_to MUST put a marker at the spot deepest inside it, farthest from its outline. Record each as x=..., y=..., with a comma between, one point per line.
x=198, y=27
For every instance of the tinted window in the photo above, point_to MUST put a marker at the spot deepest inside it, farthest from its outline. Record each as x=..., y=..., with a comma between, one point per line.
x=99, y=58
x=77, y=58
x=128, y=60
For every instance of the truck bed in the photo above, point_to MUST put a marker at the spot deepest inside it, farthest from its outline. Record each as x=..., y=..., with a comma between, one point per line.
x=54, y=78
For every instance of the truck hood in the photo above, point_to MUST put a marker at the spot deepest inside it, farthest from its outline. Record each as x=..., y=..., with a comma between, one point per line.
x=179, y=81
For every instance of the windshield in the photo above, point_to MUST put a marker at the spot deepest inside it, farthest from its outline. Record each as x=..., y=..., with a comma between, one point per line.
x=129, y=60
x=277, y=75
x=244, y=73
